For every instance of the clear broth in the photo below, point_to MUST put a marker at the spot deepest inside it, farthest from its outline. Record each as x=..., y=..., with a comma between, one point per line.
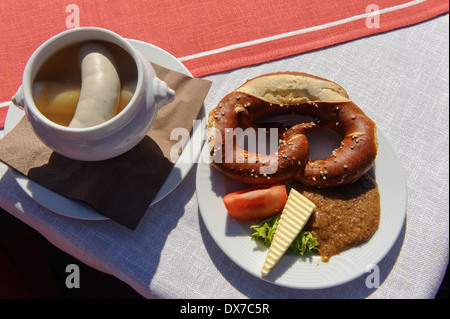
x=59, y=78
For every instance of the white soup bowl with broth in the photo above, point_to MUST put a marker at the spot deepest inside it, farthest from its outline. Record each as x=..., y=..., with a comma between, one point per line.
x=51, y=89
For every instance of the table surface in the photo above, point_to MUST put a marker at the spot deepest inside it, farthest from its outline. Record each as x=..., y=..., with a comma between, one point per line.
x=399, y=78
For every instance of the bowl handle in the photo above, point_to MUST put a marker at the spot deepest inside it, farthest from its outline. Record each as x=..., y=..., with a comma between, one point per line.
x=163, y=94
x=17, y=99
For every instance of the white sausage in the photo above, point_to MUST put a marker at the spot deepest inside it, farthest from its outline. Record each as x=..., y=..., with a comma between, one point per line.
x=100, y=87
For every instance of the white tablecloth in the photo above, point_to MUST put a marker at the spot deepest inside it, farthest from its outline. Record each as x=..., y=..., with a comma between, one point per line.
x=399, y=78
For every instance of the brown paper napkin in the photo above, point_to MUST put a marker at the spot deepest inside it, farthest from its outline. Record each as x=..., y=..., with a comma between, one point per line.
x=121, y=188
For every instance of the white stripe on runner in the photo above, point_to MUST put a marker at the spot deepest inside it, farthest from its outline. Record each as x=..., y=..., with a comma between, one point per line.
x=298, y=32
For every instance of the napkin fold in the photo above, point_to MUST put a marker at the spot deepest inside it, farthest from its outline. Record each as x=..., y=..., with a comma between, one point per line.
x=121, y=188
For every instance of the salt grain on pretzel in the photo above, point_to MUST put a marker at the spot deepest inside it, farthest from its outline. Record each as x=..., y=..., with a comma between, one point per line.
x=294, y=93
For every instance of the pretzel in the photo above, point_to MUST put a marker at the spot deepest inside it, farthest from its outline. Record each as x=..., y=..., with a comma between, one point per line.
x=285, y=93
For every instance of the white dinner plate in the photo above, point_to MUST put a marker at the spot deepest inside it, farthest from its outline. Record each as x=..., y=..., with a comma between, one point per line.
x=77, y=209
x=234, y=237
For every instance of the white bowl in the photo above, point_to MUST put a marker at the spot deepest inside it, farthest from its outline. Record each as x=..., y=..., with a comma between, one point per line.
x=113, y=137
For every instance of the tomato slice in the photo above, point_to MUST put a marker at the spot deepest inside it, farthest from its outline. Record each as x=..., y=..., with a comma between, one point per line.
x=256, y=202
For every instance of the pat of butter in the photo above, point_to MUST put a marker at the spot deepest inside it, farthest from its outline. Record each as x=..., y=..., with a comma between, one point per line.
x=294, y=217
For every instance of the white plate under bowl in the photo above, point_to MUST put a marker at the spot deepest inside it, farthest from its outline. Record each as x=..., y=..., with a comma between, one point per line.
x=234, y=237
x=79, y=210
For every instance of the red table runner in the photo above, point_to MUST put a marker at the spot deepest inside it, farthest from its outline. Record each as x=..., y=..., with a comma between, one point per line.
x=207, y=36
